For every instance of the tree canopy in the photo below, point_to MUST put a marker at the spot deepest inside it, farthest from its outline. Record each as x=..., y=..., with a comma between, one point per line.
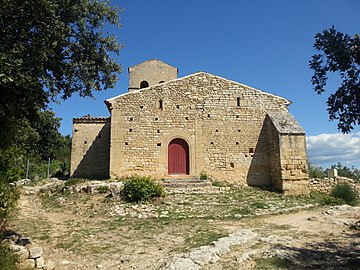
x=339, y=53
x=50, y=49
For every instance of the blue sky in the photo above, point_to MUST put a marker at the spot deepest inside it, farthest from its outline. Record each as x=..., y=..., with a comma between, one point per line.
x=263, y=44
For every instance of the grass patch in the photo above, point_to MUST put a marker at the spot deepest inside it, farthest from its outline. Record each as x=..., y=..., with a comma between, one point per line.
x=271, y=263
x=7, y=259
x=74, y=181
x=202, y=237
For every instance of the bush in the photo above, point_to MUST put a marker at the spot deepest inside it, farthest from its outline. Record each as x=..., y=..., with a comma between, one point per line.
x=346, y=192
x=103, y=189
x=74, y=181
x=140, y=189
x=326, y=199
x=203, y=176
x=8, y=199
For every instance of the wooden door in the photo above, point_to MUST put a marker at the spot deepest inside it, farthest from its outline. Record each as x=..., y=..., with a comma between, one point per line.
x=178, y=157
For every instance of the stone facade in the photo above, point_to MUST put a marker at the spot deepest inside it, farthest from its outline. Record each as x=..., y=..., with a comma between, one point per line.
x=90, y=147
x=232, y=132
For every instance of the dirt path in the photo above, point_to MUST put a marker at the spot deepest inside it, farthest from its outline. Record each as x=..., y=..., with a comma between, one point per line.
x=80, y=234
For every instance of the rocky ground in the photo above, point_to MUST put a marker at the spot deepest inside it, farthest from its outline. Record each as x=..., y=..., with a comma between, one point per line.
x=202, y=228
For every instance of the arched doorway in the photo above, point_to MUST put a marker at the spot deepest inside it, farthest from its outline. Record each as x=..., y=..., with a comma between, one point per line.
x=178, y=157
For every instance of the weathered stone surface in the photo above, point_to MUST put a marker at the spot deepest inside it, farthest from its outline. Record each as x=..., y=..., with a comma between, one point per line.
x=209, y=254
x=49, y=265
x=39, y=262
x=27, y=264
x=35, y=252
x=234, y=132
x=22, y=254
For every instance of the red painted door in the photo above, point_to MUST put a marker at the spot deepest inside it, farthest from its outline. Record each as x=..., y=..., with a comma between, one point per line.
x=178, y=157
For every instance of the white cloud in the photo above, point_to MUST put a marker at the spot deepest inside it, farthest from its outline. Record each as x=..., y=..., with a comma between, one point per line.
x=328, y=149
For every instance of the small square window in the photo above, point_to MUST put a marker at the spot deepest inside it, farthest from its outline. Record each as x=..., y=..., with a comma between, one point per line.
x=211, y=142
x=126, y=143
x=186, y=118
x=130, y=130
x=141, y=107
x=158, y=131
x=158, y=144
x=217, y=130
x=177, y=106
x=237, y=143
x=131, y=119
x=156, y=118
x=208, y=115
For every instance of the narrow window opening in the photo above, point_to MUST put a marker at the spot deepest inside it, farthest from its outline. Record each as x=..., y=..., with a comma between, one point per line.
x=237, y=143
x=239, y=130
x=85, y=142
x=126, y=143
x=141, y=107
x=131, y=119
x=130, y=130
x=232, y=165
x=237, y=116
x=208, y=115
x=156, y=118
x=158, y=144
x=144, y=84
x=238, y=102
x=158, y=131
x=177, y=106
x=186, y=118
x=217, y=130
x=211, y=142
x=160, y=104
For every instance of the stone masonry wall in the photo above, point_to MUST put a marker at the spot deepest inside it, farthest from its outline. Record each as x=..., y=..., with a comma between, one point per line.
x=155, y=72
x=325, y=185
x=90, y=153
x=221, y=120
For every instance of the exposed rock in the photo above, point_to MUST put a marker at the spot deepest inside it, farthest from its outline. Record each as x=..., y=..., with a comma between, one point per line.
x=22, y=254
x=49, y=265
x=40, y=262
x=29, y=263
x=35, y=252
x=355, y=225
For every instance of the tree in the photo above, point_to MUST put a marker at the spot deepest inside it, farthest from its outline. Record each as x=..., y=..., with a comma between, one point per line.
x=339, y=53
x=51, y=49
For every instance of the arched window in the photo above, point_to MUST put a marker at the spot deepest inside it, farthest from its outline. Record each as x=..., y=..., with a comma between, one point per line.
x=144, y=84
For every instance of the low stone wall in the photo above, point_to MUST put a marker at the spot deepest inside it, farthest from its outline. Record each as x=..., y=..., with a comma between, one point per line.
x=326, y=184
x=28, y=254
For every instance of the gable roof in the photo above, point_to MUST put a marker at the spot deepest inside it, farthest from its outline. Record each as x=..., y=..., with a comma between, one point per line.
x=284, y=101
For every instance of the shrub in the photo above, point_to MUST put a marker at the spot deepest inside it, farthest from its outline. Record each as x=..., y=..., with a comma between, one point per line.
x=326, y=199
x=140, y=189
x=103, y=189
x=346, y=192
x=74, y=181
x=203, y=176
x=8, y=198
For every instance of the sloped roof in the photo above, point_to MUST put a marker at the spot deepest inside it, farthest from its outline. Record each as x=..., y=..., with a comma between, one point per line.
x=285, y=123
x=285, y=101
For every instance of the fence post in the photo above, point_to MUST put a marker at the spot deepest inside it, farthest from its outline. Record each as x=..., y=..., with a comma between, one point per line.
x=48, y=169
x=27, y=169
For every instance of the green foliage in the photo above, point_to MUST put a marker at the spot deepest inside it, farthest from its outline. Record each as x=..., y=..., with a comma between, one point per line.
x=203, y=176
x=7, y=259
x=316, y=171
x=141, y=188
x=346, y=192
x=103, y=189
x=8, y=199
x=74, y=181
x=339, y=53
x=271, y=263
x=325, y=199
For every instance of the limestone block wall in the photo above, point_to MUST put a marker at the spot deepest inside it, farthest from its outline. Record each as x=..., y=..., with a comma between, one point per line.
x=222, y=121
x=90, y=153
x=289, y=163
x=325, y=185
x=152, y=71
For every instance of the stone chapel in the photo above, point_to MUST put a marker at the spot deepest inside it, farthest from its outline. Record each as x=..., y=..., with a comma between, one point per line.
x=166, y=126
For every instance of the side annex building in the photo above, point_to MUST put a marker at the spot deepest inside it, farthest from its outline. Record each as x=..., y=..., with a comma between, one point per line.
x=166, y=127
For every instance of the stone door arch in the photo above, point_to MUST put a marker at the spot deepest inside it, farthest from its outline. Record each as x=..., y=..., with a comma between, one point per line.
x=178, y=157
